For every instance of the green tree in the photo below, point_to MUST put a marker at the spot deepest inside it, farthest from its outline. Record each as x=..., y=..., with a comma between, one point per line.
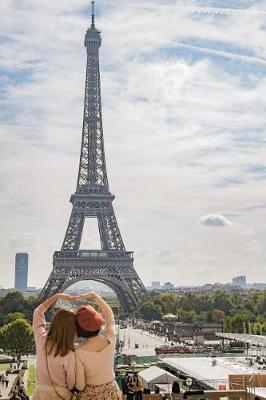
x=15, y=302
x=16, y=337
x=257, y=328
x=218, y=315
x=13, y=316
x=238, y=320
x=189, y=316
x=203, y=316
x=150, y=311
x=261, y=305
x=223, y=301
x=170, y=303
x=228, y=325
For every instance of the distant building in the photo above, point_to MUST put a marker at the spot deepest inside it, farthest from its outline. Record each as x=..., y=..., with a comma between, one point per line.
x=33, y=291
x=156, y=285
x=258, y=286
x=21, y=272
x=239, y=281
x=4, y=292
x=168, y=286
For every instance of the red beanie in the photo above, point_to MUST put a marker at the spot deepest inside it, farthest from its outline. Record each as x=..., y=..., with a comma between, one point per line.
x=89, y=319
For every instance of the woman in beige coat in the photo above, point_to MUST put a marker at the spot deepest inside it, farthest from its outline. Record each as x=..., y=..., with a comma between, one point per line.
x=95, y=356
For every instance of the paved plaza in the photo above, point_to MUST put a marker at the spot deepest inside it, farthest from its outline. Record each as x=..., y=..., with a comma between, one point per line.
x=145, y=341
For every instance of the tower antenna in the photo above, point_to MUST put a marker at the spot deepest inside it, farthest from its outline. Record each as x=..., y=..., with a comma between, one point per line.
x=92, y=14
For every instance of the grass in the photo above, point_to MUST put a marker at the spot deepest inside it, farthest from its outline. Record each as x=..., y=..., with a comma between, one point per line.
x=32, y=379
x=4, y=367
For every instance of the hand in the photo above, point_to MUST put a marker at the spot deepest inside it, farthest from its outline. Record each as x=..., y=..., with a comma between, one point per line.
x=88, y=296
x=64, y=296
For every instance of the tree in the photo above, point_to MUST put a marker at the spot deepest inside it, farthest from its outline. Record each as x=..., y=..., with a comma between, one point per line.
x=203, y=316
x=13, y=316
x=170, y=303
x=218, y=315
x=238, y=320
x=188, y=316
x=15, y=302
x=150, y=311
x=209, y=307
x=16, y=337
x=261, y=307
x=227, y=325
x=257, y=328
x=222, y=301
x=203, y=303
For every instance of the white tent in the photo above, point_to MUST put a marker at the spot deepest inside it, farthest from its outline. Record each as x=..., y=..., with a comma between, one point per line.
x=169, y=317
x=153, y=375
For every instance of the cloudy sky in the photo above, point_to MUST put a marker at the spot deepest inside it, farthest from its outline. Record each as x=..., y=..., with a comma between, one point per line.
x=184, y=113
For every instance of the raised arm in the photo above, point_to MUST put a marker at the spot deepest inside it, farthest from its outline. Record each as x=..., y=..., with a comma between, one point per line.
x=106, y=311
x=39, y=321
x=58, y=296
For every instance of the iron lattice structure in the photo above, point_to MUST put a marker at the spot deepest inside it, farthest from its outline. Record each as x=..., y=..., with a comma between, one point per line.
x=112, y=265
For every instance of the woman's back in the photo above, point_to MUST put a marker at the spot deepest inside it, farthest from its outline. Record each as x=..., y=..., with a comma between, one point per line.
x=95, y=357
x=95, y=366
x=61, y=369
x=95, y=344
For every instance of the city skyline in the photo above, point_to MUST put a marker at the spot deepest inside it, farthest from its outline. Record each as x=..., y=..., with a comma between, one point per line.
x=182, y=87
x=93, y=285
x=90, y=284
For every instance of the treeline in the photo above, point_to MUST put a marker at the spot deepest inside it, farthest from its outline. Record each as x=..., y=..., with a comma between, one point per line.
x=240, y=312
x=15, y=323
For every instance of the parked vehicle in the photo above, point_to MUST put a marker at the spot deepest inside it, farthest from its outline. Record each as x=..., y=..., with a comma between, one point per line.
x=173, y=350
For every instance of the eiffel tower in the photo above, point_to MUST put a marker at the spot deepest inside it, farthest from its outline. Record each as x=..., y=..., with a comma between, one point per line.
x=112, y=265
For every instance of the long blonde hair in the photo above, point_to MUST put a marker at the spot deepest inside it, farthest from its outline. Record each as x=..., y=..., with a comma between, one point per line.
x=61, y=334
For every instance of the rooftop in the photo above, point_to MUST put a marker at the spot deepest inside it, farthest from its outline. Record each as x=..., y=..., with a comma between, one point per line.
x=256, y=340
x=204, y=370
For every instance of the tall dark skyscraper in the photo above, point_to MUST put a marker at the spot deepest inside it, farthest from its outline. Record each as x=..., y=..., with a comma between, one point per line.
x=21, y=272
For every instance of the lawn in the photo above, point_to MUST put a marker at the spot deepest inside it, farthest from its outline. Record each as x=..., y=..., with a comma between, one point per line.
x=31, y=380
x=3, y=367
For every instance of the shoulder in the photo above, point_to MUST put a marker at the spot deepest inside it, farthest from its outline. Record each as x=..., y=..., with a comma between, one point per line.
x=80, y=347
x=70, y=354
x=93, y=345
x=79, y=351
x=103, y=340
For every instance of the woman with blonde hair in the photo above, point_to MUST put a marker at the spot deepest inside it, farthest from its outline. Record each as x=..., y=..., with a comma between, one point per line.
x=95, y=376
x=55, y=365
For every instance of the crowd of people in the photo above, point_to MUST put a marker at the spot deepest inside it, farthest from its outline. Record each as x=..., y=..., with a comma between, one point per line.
x=4, y=379
x=131, y=386
x=18, y=392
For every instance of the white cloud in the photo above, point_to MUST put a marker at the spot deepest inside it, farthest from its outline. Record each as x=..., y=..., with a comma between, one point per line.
x=214, y=220
x=254, y=246
x=182, y=126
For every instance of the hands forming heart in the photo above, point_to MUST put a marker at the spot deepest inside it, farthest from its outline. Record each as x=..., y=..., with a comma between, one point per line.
x=68, y=297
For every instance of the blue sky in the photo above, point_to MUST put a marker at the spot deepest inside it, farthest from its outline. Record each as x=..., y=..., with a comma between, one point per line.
x=183, y=86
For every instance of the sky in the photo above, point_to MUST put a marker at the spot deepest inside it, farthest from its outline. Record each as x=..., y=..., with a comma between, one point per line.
x=184, y=116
